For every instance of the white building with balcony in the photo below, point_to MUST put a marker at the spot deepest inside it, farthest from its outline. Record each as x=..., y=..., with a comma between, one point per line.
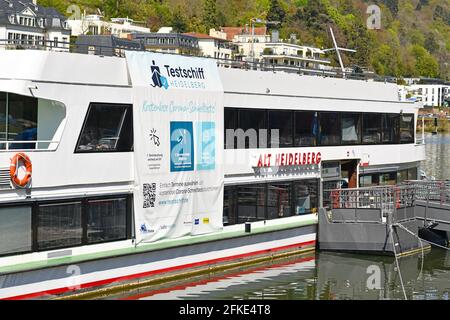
x=431, y=95
x=95, y=25
x=26, y=24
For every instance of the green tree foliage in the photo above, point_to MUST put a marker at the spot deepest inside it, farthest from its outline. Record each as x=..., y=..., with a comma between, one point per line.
x=210, y=16
x=414, y=39
x=276, y=13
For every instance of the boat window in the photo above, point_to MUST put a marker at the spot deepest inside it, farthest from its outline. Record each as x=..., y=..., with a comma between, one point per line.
x=390, y=123
x=407, y=128
x=351, y=128
x=371, y=128
x=329, y=129
x=229, y=206
x=306, y=198
x=30, y=123
x=251, y=121
x=15, y=230
x=230, y=123
x=270, y=201
x=106, y=220
x=279, y=200
x=251, y=202
x=59, y=225
x=283, y=122
x=306, y=128
x=107, y=128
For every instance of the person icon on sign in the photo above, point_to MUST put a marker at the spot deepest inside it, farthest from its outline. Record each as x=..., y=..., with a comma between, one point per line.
x=158, y=79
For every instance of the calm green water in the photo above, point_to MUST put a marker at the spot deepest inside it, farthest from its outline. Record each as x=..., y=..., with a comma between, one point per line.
x=325, y=275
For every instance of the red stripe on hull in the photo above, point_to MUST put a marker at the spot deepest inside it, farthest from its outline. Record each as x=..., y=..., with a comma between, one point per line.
x=154, y=272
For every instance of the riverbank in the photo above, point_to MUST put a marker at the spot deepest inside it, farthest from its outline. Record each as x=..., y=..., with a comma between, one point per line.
x=443, y=125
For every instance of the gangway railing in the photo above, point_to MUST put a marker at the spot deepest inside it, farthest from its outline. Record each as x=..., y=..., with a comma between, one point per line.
x=391, y=202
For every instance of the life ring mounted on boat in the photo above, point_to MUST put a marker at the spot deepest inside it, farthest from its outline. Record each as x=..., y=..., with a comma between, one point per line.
x=14, y=166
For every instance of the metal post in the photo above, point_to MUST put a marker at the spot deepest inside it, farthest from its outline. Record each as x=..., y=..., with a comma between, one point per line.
x=253, y=42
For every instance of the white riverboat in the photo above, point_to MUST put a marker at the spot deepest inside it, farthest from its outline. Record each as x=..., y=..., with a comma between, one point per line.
x=76, y=181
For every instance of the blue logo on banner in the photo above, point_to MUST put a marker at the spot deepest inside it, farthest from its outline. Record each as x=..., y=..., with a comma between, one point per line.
x=181, y=146
x=197, y=221
x=206, y=151
x=158, y=79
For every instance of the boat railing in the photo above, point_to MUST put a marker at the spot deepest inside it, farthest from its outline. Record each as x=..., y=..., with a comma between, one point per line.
x=378, y=203
x=119, y=51
x=28, y=145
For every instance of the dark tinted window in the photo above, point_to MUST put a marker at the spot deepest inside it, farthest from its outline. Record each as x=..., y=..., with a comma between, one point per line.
x=251, y=202
x=283, y=122
x=330, y=129
x=230, y=116
x=306, y=128
x=59, y=225
x=351, y=128
x=107, y=128
x=407, y=128
x=251, y=121
x=390, y=123
x=106, y=220
x=371, y=128
x=279, y=200
x=2, y=119
x=229, y=205
x=305, y=195
x=22, y=121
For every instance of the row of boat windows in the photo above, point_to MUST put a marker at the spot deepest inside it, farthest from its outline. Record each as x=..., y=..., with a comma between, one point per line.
x=49, y=225
x=267, y=201
x=257, y=128
x=387, y=178
x=109, y=127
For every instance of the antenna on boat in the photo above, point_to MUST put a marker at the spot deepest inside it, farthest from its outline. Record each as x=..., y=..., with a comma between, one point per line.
x=338, y=49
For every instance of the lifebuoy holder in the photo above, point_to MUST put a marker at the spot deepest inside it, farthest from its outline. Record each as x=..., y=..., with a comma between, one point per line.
x=14, y=167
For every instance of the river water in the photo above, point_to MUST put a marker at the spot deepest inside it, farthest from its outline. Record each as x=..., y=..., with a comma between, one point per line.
x=325, y=275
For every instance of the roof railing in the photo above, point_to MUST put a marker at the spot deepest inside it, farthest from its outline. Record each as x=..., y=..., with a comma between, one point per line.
x=119, y=51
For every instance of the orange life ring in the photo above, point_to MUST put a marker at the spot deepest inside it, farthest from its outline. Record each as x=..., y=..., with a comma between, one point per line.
x=14, y=166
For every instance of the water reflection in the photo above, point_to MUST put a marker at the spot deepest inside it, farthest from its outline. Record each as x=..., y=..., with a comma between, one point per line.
x=324, y=275
x=437, y=149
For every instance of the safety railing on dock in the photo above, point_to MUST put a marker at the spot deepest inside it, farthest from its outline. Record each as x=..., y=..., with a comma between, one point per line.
x=379, y=203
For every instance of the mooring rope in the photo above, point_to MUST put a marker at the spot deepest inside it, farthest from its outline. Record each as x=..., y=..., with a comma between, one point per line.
x=396, y=261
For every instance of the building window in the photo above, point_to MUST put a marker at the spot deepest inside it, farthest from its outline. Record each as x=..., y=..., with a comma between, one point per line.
x=107, y=128
x=59, y=225
x=283, y=122
x=329, y=129
x=371, y=128
x=15, y=230
x=351, y=128
x=306, y=128
x=107, y=220
x=229, y=206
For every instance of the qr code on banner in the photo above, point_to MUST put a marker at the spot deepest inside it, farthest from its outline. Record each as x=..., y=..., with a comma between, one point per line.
x=149, y=190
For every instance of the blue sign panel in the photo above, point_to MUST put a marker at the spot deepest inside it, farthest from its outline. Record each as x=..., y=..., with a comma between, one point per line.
x=181, y=146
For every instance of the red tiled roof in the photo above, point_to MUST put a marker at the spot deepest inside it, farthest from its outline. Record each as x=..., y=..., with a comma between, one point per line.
x=233, y=31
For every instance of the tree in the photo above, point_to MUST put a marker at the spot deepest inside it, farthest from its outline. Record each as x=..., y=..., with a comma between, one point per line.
x=179, y=20
x=426, y=65
x=276, y=12
x=209, y=17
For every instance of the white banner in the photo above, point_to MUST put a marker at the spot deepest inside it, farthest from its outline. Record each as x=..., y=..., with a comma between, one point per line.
x=178, y=145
